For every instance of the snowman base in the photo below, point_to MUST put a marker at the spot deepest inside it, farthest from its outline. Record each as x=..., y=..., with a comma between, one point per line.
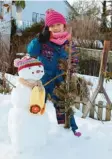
x=28, y=132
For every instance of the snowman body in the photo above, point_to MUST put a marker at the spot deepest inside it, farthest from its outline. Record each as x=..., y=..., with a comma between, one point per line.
x=27, y=131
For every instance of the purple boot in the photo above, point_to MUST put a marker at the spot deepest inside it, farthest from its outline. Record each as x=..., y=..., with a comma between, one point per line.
x=78, y=134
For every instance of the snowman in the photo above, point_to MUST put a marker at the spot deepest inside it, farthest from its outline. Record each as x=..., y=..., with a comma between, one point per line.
x=27, y=120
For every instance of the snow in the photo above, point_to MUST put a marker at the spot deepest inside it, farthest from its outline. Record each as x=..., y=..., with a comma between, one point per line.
x=95, y=142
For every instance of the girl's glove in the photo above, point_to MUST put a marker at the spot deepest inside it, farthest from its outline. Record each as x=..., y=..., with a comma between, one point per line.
x=44, y=35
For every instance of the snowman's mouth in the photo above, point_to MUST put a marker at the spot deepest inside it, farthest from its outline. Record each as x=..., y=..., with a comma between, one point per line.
x=37, y=74
x=38, y=71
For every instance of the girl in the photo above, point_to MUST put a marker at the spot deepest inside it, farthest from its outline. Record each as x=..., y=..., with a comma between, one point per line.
x=49, y=47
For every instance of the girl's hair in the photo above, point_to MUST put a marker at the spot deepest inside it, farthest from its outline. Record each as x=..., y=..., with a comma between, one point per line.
x=44, y=36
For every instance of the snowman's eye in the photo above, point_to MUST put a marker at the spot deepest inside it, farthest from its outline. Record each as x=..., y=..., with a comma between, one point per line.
x=29, y=68
x=39, y=66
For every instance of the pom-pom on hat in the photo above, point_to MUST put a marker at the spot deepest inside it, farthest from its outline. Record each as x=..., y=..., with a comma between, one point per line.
x=53, y=17
x=25, y=62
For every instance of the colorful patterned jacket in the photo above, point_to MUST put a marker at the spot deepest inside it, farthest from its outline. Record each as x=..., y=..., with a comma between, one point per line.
x=50, y=54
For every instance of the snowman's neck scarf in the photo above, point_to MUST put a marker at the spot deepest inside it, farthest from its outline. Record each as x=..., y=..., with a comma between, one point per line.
x=30, y=84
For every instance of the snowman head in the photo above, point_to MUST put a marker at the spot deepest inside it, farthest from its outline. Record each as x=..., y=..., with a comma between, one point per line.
x=29, y=68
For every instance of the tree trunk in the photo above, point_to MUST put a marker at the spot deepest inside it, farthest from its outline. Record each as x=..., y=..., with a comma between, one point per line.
x=67, y=121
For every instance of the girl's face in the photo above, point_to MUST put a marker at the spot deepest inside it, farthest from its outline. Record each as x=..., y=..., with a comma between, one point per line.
x=56, y=28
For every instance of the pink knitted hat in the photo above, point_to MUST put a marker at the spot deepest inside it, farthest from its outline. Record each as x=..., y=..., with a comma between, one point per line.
x=53, y=17
x=26, y=62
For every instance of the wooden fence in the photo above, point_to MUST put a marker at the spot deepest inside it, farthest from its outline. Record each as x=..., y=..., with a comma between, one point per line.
x=98, y=111
x=93, y=53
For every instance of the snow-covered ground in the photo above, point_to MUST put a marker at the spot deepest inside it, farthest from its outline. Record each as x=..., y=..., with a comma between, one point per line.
x=95, y=142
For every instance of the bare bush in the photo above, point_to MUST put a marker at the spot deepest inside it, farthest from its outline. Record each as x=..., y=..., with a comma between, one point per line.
x=85, y=8
x=86, y=30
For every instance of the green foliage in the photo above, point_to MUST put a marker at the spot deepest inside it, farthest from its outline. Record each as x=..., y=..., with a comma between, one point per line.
x=20, y=3
x=34, y=28
x=107, y=79
x=19, y=43
x=107, y=76
x=67, y=98
x=5, y=90
x=13, y=27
